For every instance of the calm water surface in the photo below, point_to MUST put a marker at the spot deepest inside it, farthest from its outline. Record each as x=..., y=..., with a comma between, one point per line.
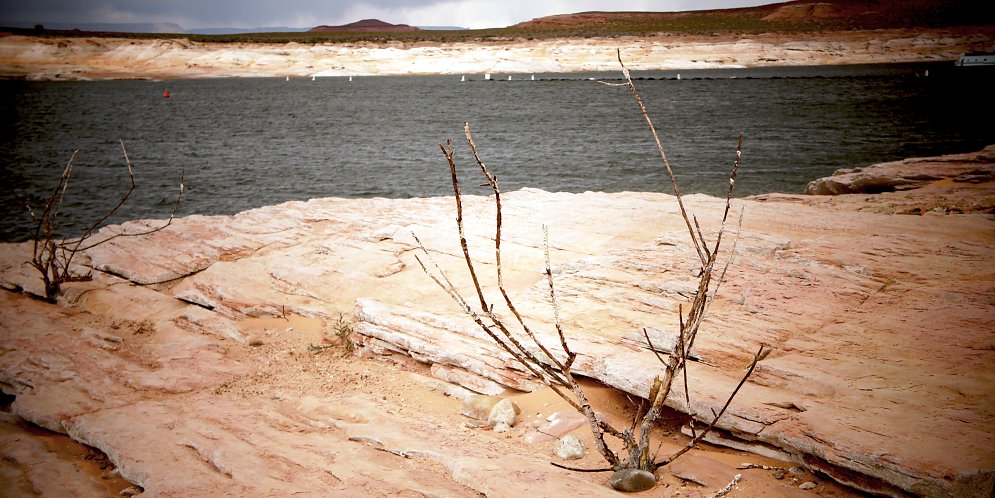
x=245, y=143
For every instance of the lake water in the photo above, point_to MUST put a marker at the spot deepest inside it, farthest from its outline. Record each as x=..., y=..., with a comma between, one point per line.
x=245, y=143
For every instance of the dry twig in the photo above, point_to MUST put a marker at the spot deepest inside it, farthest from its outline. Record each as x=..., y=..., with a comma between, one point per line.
x=729, y=487
x=746, y=466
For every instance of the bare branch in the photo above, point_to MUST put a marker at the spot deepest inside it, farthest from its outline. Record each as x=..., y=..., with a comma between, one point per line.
x=493, y=184
x=552, y=297
x=169, y=221
x=732, y=484
x=552, y=372
x=757, y=358
x=53, y=258
x=732, y=185
x=652, y=347
x=663, y=155
x=533, y=366
x=576, y=469
x=124, y=198
x=747, y=466
x=447, y=151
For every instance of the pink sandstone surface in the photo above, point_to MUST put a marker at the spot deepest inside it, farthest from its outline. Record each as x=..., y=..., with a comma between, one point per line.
x=202, y=360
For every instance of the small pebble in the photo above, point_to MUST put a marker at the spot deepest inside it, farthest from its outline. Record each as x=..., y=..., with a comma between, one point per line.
x=796, y=470
x=778, y=475
x=807, y=485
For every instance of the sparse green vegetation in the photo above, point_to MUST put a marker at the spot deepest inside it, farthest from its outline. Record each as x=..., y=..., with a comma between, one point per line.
x=341, y=328
x=343, y=333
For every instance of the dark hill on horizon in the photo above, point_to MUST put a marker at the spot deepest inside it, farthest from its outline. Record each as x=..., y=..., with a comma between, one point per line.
x=367, y=25
x=796, y=15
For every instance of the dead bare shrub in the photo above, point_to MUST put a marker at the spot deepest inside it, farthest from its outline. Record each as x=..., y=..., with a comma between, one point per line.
x=52, y=256
x=552, y=363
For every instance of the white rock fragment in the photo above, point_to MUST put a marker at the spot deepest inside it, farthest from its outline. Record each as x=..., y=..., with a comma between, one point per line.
x=569, y=447
x=504, y=412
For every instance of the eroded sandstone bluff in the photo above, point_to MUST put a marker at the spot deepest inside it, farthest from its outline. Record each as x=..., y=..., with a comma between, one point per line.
x=197, y=358
x=104, y=58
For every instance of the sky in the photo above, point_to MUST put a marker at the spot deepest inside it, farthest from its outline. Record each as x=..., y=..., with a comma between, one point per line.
x=192, y=14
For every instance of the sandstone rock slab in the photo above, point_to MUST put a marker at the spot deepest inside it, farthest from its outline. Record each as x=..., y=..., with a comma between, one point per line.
x=881, y=324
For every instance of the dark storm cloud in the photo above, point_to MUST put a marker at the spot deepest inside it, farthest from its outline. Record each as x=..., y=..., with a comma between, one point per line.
x=188, y=12
x=305, y=13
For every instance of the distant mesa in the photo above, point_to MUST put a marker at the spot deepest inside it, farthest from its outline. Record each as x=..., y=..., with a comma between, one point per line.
x=367, y=25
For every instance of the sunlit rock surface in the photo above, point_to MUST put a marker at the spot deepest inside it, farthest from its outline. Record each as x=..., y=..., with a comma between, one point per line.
x=102, y=58
x=175, y=360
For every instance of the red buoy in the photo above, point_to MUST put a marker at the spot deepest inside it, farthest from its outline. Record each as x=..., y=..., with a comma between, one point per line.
x=165, y=94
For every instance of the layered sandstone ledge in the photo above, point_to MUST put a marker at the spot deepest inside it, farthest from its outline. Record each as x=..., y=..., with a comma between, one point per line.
x=103, y=58
x=187, y=359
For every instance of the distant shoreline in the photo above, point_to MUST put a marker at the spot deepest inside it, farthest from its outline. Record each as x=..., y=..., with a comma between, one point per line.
x=99, y=58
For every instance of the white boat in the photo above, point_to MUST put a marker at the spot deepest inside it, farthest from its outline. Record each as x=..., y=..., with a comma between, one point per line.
x=312, y=77
x=976, y=59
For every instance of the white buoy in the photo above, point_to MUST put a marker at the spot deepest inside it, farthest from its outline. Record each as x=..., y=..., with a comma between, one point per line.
x=927, y=72
x=487, y=76
x=678, y=75
x=462, y=78
x=288, y=78
x=350, y=78
x=533, y=77
x=312, y=77
x=509, y=77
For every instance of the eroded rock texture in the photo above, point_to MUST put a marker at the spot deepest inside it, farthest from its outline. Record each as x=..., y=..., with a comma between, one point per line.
x=882, y=324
